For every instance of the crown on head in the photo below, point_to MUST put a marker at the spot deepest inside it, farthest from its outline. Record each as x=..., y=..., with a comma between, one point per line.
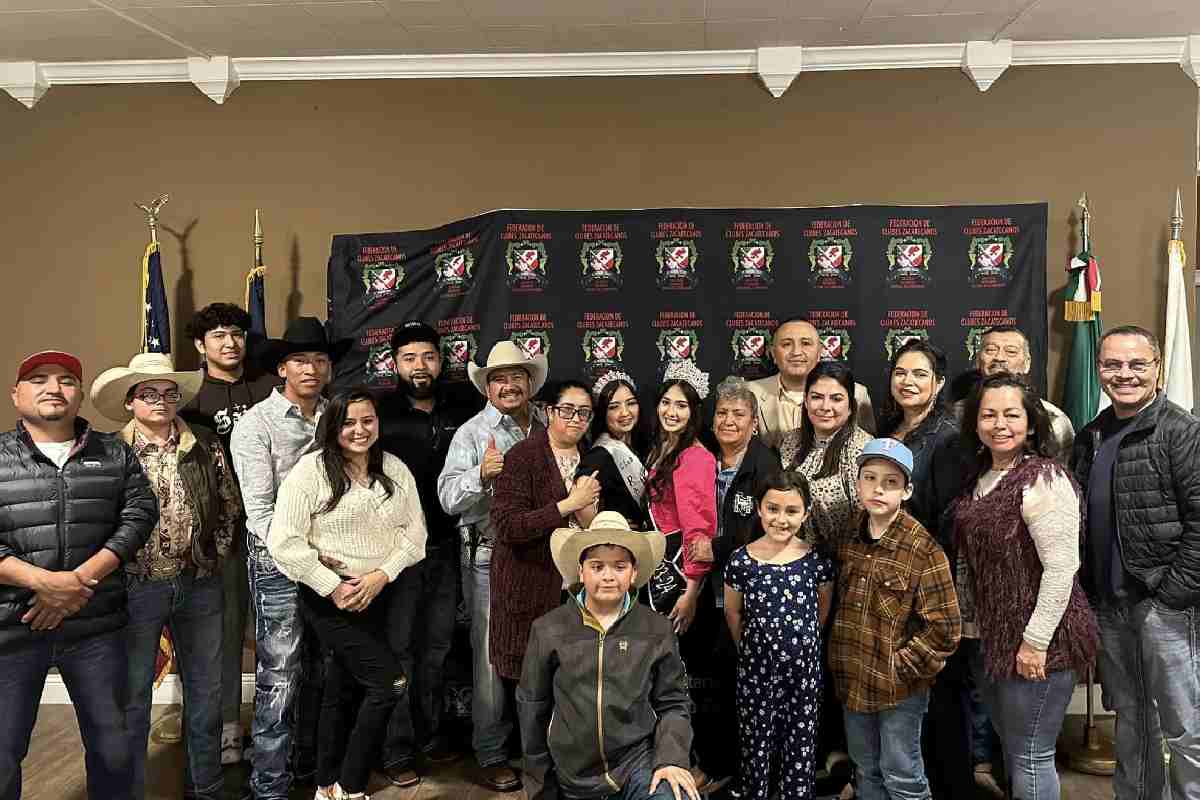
x=689, y=372
x=609, y=377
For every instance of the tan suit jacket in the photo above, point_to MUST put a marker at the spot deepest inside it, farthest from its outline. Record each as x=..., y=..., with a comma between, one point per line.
x=769, y=425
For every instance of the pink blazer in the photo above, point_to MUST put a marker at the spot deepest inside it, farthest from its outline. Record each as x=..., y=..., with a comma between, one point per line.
x=689, y=504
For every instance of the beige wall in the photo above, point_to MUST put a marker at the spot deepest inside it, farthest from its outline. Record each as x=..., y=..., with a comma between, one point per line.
x=353, y=156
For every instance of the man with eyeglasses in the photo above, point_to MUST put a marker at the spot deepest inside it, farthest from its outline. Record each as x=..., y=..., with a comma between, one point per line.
x=1139, y=465
x=466, y=485
x=417, y=422
x=1004, y=348
x=75, y=508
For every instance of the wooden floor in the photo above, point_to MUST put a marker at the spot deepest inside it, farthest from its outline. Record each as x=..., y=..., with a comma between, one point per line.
x=54, y=771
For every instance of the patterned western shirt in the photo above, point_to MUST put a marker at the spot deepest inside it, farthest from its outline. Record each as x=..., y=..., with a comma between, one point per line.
x=897, y=619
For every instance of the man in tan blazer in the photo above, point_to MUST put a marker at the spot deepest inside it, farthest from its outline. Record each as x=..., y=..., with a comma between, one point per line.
x=796, y=349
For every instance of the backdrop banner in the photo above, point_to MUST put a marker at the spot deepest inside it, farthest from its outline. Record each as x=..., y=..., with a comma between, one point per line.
x=636, y=289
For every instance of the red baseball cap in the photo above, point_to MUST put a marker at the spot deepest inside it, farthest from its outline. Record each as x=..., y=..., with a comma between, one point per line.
x=65, y=360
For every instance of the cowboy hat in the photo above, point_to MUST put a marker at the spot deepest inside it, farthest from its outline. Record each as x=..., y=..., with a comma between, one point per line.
x=506, y=354
x=112, y=386
x=303, y=335
x=608, y=527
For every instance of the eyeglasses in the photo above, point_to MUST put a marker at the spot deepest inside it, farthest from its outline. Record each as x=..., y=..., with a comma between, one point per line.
x=150, y=396
x=1138, y=367
x=993, y=350
x=569, y=413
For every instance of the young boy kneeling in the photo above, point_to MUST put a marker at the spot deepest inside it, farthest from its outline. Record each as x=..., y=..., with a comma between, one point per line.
x=603, y=701
x=896, y=623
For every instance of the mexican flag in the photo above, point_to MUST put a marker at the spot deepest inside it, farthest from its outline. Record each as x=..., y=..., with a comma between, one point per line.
x=1081, y=395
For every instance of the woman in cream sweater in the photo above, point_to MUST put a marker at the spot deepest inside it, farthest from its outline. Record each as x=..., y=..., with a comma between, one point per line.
x=347, y=521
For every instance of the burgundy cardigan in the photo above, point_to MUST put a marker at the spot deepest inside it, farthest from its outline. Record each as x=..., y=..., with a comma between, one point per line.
x=525, y=582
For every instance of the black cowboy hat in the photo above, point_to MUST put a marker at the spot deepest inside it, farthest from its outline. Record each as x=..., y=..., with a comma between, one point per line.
x=303, y=335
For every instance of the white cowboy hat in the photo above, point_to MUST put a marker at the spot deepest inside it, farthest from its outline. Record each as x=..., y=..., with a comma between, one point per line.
x=112, y=386
x=608, y=527
x=507, y=354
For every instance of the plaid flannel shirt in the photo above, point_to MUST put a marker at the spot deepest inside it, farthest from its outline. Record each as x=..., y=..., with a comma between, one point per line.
x=897, y=619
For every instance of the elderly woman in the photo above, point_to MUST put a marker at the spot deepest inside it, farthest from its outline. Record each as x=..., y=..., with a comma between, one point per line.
x=825, y=448
x=536, y=492
x=1019, y=532
x=618, y=447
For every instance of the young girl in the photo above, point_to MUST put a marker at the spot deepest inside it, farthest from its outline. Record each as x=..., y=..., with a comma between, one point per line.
x=778, y=592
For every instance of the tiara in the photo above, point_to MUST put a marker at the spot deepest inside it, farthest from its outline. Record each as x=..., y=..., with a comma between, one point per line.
x=609, y=377
x=688, y=372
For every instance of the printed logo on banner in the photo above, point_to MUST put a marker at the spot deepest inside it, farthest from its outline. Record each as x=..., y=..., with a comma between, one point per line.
x=835, y=344
x=678, y=344
x=602, y=350
x=532, y=343
x=458, y=349
x=527, y=266
x=381, y=365
x=601, y=266
x=752, y=263
x=829, y=261
x=990, y=257
x=382, y=282
x=751, y=356
x=453, y=270
x=973, y=341
x=677, y=260
x=898, y=337
x=908, y=262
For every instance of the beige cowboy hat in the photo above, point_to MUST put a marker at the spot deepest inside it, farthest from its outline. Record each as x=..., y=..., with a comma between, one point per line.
x=111, y=387
x=508, y=354
x=608, y=527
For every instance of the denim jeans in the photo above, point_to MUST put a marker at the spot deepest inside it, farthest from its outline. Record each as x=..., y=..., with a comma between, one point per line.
x=886, y=746
x=236, y=587
x=1028, y=715
x=637, y=787
x=191, y=608
x=491, y=713
x=94, y=670
x=985, y=744
x=424, y=603
x=1149, y=667
x=277, y=635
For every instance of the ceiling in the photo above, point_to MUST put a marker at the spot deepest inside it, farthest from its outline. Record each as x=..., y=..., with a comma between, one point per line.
x=93, y=30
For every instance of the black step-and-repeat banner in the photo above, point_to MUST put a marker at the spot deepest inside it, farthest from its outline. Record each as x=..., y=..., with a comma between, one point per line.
x=634, y=290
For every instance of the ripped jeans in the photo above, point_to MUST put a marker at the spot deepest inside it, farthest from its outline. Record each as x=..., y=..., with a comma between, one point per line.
x=277, y=637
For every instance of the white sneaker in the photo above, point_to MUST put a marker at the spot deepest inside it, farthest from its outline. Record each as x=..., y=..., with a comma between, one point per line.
x=231, y=743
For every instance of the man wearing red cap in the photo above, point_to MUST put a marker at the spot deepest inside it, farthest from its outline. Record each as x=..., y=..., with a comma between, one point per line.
x=74, y=507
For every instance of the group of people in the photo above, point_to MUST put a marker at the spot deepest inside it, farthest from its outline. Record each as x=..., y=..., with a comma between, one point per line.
x=728, y=596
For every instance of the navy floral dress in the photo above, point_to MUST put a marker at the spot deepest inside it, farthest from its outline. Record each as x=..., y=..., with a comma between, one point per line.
x=779, y=672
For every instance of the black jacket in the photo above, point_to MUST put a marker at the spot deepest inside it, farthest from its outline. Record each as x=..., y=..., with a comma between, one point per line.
x=594, y=707
x=740, y=524
x=57, y=520
x=1156, y=494
x=422, y=440
x=939, y=472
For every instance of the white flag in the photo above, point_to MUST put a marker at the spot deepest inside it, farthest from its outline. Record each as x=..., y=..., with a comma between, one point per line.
x=1177, y=354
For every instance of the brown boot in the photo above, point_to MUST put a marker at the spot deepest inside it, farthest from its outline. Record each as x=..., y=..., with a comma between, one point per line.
x=500, y=778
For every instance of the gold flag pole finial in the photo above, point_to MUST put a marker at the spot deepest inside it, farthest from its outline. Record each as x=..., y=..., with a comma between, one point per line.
x=151, y=211
x=258, y=239
x=1085, y=217
x=1177, y=217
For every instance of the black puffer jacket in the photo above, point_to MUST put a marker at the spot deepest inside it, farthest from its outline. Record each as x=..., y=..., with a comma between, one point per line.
x=57, y=520
x=740, y=524
x=1156, y=496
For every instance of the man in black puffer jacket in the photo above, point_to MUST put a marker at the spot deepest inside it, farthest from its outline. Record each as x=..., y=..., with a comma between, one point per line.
x=74, y=507
x=1139, y=463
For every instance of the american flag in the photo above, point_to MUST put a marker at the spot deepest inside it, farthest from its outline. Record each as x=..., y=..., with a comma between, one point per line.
x=156, y=319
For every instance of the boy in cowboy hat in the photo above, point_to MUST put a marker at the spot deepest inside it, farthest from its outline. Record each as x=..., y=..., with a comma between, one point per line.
x=175, y=578
x=508, y=380
x=606, y=669
x=267, y=442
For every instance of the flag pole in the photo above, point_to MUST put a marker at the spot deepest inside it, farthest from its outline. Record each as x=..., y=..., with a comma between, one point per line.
x=151, y=210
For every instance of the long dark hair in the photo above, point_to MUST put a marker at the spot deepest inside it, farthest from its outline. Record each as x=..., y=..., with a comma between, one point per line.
x=785, y=480
x=687, y=437
x=326, y=440
x=892, y=415
x=840, y=372
x=638, y=436
x=1038, y=440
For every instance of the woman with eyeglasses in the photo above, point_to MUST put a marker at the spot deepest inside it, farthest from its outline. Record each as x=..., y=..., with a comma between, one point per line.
x=618, y=446
x=536, y=492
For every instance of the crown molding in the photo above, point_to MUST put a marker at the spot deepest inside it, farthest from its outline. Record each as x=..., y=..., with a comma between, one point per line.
x=777, y=67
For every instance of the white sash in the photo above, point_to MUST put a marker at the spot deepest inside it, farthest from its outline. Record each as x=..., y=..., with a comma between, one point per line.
x=628, y=464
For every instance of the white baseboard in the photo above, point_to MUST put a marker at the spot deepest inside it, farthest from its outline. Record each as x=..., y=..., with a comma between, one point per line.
x=168, y=692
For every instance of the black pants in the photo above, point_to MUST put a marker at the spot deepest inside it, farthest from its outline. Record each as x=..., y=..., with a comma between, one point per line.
x=946, y=738
x=358, y=656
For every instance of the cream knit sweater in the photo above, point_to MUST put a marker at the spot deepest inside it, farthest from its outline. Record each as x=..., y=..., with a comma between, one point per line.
x=367, y=530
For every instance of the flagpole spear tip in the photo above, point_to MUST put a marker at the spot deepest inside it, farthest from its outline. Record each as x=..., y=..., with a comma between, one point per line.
x=152, y=211
x=258, y=239
x=1177, y=217
x=1085, y=215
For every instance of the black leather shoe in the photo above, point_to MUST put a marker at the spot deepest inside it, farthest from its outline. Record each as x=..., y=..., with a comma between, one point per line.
x=402, y=775
x=500, y=778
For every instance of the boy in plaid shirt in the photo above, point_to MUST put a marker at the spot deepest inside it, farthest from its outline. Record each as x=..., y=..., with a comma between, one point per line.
x=896, y=624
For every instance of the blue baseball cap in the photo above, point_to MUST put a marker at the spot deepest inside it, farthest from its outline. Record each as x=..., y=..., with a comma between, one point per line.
x=892, y=450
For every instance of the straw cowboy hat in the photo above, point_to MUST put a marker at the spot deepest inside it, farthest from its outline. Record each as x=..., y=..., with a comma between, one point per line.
x=111, y=387
x=303, y=335
x=608, y=527
x=507, y=354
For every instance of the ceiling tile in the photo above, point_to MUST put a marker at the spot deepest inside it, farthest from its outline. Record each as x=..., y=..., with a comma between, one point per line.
x=45, y=5
x=812, y=32
x=426, y=39
x=449, y=13
x=827, y=9
x=1038, y=25
x=924, y=30
x=521, y=39
x=1005, y=7
x=370, y=13
x=636, y=37
x=721, y=10
x=741, y=34
x=903, y=8
x=582, y=12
